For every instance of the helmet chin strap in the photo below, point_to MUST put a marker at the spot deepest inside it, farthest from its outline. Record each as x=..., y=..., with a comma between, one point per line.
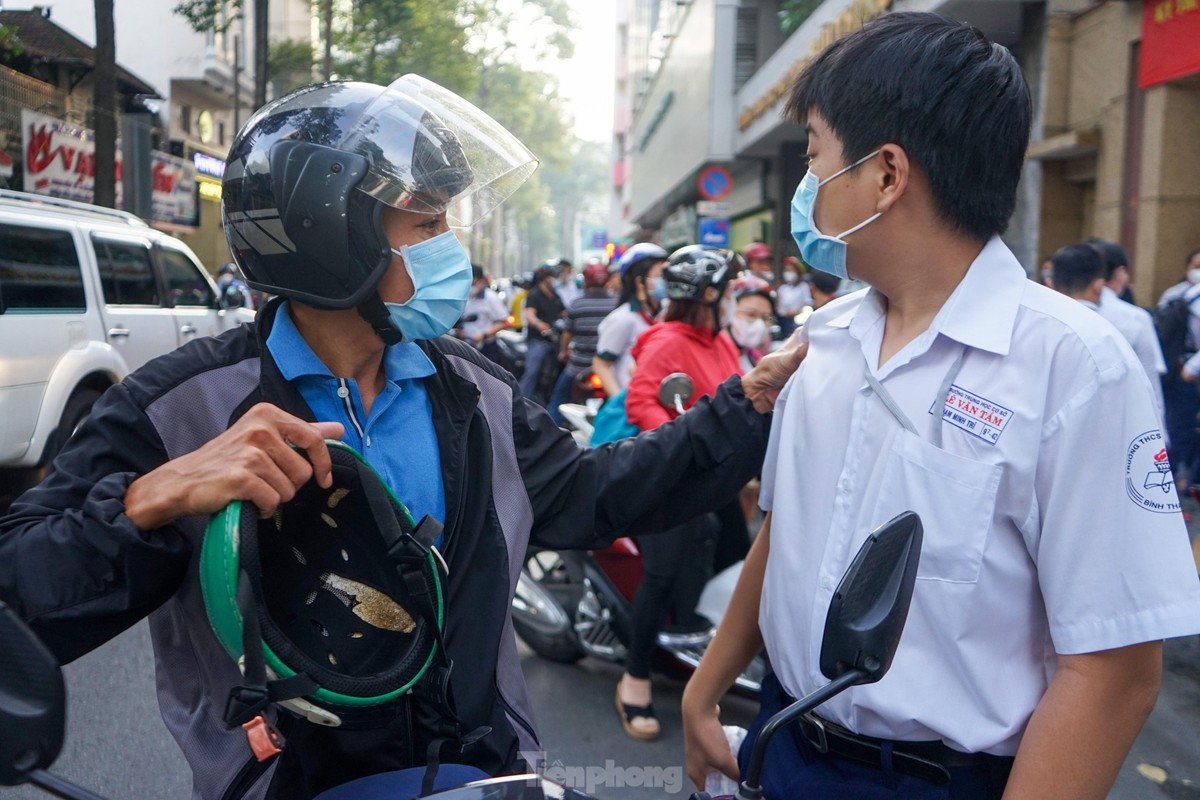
x=377, y=316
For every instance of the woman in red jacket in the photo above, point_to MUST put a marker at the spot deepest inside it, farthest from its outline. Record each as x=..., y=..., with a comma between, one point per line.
x=675, y=563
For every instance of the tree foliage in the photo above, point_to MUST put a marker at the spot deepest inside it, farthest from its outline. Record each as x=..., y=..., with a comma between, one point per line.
x=209, y=15
x=384, y=39
x=290, y=65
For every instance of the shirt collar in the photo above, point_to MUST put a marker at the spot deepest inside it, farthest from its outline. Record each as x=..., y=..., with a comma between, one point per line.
x=980, y=312
x=296, y=359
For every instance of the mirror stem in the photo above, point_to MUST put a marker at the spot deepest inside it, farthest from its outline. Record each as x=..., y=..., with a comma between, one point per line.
x=60, y=787
x=751, y=788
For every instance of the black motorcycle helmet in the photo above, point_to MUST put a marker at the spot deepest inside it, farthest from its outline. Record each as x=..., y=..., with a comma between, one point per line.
x=692, y=269
x=306, y=180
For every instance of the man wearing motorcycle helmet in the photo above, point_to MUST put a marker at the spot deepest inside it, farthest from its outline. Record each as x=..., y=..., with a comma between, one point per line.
x=339, y=200
x=543, y=315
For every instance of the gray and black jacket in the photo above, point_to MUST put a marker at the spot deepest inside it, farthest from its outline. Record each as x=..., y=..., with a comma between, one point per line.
x=74, y=566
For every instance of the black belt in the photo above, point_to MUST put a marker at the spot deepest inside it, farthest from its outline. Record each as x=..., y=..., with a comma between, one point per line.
x=929, y=761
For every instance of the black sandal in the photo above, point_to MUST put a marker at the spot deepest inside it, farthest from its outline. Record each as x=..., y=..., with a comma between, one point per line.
x=628, y=712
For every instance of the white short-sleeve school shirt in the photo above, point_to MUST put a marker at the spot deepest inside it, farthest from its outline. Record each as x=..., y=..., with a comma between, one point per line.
x=1050, y=517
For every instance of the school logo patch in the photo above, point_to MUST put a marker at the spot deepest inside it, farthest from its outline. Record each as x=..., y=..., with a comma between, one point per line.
x=1148, y=478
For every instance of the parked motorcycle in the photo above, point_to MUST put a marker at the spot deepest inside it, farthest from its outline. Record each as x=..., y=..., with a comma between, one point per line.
x=569, y=604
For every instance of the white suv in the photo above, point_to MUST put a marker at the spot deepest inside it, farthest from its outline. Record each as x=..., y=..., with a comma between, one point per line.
x=87, y=295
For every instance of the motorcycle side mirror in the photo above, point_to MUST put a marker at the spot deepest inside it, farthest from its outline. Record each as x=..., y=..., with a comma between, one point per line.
x=675, y=390
x=862, y=627
x=33, y=703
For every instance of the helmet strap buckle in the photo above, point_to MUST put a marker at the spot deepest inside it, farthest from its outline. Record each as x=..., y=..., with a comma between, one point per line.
x=265, y=742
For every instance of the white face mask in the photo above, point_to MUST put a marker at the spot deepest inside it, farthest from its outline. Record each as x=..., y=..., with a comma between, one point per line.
x=1193, y=275
x=749, y=333
x=791, y=278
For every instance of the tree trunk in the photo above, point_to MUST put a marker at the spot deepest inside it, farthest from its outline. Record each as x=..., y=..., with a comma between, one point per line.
x=327, y=19
x=104, y=107
x=261, y=39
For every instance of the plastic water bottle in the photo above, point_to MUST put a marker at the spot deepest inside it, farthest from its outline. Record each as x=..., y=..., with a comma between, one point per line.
x=717, y=783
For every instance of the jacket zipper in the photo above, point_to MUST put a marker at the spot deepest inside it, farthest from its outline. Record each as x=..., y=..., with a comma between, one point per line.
x=246, y=777
x=514, y=714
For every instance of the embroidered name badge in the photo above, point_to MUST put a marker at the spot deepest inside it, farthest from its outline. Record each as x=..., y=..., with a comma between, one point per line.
x=976, y=415
x=1149, y=481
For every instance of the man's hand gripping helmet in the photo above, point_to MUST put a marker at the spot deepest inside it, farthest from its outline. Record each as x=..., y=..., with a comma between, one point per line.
x=332, y=608
x=307, y=178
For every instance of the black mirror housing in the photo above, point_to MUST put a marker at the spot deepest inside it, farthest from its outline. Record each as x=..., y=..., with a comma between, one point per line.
x=32, y=701
x=869, y=608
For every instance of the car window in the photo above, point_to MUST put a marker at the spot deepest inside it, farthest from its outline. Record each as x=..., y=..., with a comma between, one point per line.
x=186, y=285
x=39, y=272
x=126, y=277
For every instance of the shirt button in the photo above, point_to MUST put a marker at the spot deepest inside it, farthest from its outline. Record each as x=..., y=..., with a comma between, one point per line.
x=844, y=484
x=826, y=584
x=343, y=392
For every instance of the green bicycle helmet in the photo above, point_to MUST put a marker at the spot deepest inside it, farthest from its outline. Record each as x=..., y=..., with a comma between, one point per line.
x=333, y=607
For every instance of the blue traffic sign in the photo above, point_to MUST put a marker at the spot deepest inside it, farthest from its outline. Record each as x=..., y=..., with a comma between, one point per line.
x=713, y=231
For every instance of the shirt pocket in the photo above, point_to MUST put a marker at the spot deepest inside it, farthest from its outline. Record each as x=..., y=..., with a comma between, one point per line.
x=955, y=498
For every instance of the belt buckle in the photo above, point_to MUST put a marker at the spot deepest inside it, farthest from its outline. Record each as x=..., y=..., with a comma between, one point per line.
x=820, y=741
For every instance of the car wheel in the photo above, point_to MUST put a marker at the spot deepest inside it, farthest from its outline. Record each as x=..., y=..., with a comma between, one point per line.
x=79, y=407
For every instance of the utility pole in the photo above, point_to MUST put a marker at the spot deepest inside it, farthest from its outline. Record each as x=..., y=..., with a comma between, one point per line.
x=261, y=38
x=327, y=63
x=237, y=83
x=104, y=107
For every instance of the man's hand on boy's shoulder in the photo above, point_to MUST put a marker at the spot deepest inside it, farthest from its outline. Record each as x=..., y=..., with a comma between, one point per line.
x=763, y=384
x=254, y=461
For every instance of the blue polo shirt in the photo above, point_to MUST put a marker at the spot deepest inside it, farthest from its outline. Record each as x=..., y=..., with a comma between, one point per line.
x=397, y=438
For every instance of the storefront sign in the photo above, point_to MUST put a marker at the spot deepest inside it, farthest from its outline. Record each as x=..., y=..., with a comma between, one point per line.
x=858, y=14
x=60, y=161
x=1170, y=41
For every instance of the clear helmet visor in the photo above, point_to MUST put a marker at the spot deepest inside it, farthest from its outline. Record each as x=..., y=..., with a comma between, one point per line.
x=430, y=151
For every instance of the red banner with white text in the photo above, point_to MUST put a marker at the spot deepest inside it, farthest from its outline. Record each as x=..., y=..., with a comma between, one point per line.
x=1170, y=40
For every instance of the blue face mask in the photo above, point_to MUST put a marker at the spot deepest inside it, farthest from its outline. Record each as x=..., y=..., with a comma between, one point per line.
x=826, y=253
x=657, y=289
x=441, y=274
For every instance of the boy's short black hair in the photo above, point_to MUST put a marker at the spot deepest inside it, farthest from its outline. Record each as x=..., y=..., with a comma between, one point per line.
x=476, y=272
x=1113, y=254
x=957, y=103
x=1076, y=267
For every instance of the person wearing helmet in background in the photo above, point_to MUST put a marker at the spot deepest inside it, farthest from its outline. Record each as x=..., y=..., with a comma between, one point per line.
x=338, y=200
x=753, y=316
x=760, y=261
x=577, y=345
x=641, y=297
x=484, y=315
x=543, y=317
x=569, y=285
x=232, y=290
x=792, y=294
x=675, y=564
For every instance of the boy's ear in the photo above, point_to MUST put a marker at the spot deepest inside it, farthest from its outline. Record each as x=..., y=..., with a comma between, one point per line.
x=895, y=171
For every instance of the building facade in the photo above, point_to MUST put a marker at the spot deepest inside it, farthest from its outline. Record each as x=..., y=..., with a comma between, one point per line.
x=1114, y=148
x=202, y=105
